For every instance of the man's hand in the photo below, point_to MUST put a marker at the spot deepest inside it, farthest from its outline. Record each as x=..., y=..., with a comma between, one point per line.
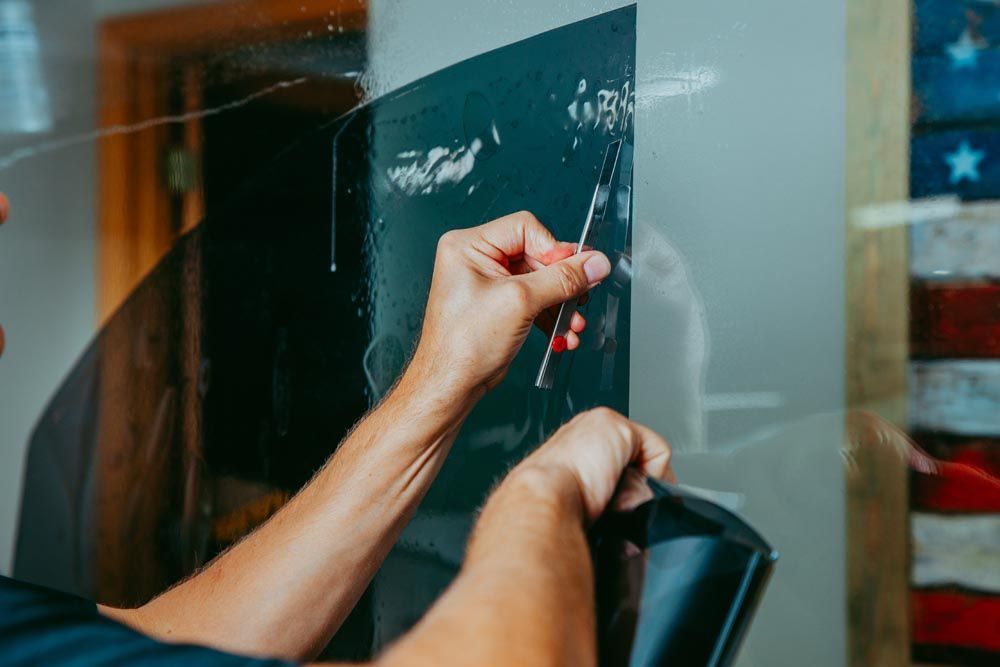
x=525, y=595
x=600, y=455
x=490, y=284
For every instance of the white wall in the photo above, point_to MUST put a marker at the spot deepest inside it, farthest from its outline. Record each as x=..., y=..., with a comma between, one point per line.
x=737, y=320
x=46, y=250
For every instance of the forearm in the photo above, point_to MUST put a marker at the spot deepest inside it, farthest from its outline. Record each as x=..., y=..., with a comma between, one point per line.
x=525, y=593
x=285, y=589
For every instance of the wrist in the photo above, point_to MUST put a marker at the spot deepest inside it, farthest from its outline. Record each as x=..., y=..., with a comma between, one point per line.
x=425, y=384
x=549, y=485
x=435, y=379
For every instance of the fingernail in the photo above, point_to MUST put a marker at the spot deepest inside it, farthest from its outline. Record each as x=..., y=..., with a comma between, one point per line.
x=597, y=268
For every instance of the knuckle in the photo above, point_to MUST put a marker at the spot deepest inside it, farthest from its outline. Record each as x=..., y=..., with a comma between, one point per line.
x=570, y=281
x=598, y=417
x=525, y=217
x=449, y=240
x=518, y=295
x=608, y=422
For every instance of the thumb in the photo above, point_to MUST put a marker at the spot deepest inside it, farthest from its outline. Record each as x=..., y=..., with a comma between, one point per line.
x=566, y=279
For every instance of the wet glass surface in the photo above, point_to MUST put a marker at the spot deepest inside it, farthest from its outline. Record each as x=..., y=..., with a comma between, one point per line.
x=811, y=318
x=241, y=315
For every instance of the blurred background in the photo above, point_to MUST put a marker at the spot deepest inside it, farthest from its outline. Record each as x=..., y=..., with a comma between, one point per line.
x=815, y=321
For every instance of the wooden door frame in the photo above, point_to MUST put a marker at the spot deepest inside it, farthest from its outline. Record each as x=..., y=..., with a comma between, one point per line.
x=139, y=427
x=135, y=224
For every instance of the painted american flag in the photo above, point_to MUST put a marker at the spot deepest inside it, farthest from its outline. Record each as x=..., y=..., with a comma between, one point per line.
x=954, y=380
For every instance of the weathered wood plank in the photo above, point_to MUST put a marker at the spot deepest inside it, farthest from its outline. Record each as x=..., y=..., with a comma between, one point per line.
x=961, y=397
x=966, y=477
x=964, y=246
x=876, y=172
x=940, y=23
x=962, y=162
x=952, y=656
x=945, y=91
x=956, y=487
x=956, y=550
x=956, y=618
x=959, y=320
x=981, y=453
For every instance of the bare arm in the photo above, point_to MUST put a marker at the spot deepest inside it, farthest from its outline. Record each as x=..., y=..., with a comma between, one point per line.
x=525, y=595
x=285, y=589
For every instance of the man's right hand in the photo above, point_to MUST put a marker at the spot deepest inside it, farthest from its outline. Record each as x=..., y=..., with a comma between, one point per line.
x=491, y=283
x=602, y=456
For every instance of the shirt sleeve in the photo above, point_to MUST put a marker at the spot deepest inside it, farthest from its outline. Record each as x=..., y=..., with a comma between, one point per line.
x=43, y=627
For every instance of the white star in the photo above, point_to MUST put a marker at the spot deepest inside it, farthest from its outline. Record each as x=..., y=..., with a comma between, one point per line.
x=964, y=163
x=965, y=52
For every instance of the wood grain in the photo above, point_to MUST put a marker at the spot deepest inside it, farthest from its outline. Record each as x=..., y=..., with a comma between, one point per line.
x=961, y=397
x=966, y=246
x=946, y=94
x=150, y=493
x=939, y=23
x=956, y=550
x=955, y=320
x=877, y=171
x=956, y=487
x=230, y=23
x=956, y=618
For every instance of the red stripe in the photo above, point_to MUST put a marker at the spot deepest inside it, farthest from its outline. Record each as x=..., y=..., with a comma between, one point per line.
x=966, y=477
x=955, y=320
x=956, y=619
x=955, y=488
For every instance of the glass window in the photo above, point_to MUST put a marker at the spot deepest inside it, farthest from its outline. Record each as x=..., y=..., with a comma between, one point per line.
x=224, y=222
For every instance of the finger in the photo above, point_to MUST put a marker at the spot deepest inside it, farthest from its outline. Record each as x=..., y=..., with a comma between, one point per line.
x=4, y=208
x=559, y=252
x=546, y=321
x=518, y=234
x=651, y=453
x=565, y=280
x=572, y=341
x=631, y=492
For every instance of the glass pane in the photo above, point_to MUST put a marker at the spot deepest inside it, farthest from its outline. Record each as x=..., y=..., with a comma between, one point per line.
x=297, y=299
x=224, y=218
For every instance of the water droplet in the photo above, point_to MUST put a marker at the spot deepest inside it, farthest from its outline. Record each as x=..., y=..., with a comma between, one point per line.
x=481, y=133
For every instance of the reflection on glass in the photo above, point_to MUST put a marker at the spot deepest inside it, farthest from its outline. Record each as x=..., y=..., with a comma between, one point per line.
x=269, y=328
x=24, y=100
x=215, y=153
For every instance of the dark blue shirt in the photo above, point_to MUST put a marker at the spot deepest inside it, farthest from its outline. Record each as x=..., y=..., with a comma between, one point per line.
x=39, y=626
